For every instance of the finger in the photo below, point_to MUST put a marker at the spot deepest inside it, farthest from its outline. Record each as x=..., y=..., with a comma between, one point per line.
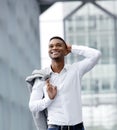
x=54, y=87
x=47, y=82
x=49, y=86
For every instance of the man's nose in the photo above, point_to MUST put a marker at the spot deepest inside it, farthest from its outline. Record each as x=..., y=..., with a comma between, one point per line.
x=54, y=47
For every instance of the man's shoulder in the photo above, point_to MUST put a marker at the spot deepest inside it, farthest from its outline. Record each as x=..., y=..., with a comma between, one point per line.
x=42, y=74
x=40, y=71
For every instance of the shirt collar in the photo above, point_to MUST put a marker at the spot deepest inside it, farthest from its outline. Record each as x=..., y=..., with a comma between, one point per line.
x=65, y=68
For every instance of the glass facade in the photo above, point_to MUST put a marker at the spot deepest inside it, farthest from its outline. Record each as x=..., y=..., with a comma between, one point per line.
x=94, y=25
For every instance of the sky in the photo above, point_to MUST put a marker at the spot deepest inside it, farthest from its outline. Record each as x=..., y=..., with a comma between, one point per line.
x=51, y=24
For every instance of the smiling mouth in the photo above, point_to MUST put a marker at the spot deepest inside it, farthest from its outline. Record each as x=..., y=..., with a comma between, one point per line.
x=55, y=53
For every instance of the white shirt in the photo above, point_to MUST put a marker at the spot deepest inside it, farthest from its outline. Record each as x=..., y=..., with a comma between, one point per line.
x=66, y=108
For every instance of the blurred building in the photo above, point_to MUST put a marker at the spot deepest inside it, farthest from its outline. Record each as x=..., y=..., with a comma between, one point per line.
x=94, y=24
x=19, y=55
x=91, y=24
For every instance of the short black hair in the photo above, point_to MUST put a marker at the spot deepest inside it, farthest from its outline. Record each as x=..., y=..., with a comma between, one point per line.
x=57, y=37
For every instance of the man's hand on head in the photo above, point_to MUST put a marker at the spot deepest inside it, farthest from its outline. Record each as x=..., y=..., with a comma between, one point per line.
x=69, y=47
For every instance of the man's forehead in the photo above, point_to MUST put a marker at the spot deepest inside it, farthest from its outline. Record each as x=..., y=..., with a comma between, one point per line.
x=56, y=41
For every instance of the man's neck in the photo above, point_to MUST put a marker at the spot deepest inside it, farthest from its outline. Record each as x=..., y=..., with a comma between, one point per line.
x=57, y=66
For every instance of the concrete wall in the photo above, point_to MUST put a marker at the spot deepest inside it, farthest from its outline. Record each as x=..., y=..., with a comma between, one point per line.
x=19, y=55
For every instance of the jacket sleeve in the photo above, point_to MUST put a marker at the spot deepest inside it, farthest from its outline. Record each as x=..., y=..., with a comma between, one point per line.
x=37, y=102
x=91, y=57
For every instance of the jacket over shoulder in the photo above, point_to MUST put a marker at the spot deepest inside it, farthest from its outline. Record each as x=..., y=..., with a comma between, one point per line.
x=40, y=118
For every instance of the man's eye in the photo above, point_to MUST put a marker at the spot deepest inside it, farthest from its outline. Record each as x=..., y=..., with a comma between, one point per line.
x=59, y=45
x=50, y=46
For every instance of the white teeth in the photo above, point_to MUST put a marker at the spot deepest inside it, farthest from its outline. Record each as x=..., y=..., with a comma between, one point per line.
x=55, y=53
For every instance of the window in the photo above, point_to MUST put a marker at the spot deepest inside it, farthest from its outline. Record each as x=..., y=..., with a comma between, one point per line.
x=105, y=85
x=92, y=22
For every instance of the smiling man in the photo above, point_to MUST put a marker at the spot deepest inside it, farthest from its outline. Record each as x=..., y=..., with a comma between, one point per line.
x=60, y=94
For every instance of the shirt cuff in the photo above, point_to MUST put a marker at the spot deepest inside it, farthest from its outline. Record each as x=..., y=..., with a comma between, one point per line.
x=48, y=101
x=74, y=49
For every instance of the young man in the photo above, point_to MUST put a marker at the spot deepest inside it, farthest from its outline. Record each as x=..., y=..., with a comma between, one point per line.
x=60, y=94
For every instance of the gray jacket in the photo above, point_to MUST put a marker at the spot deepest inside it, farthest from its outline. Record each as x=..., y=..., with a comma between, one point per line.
x=40, y=118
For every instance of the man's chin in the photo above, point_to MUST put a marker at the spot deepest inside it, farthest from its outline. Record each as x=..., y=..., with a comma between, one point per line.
x=55, y=58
